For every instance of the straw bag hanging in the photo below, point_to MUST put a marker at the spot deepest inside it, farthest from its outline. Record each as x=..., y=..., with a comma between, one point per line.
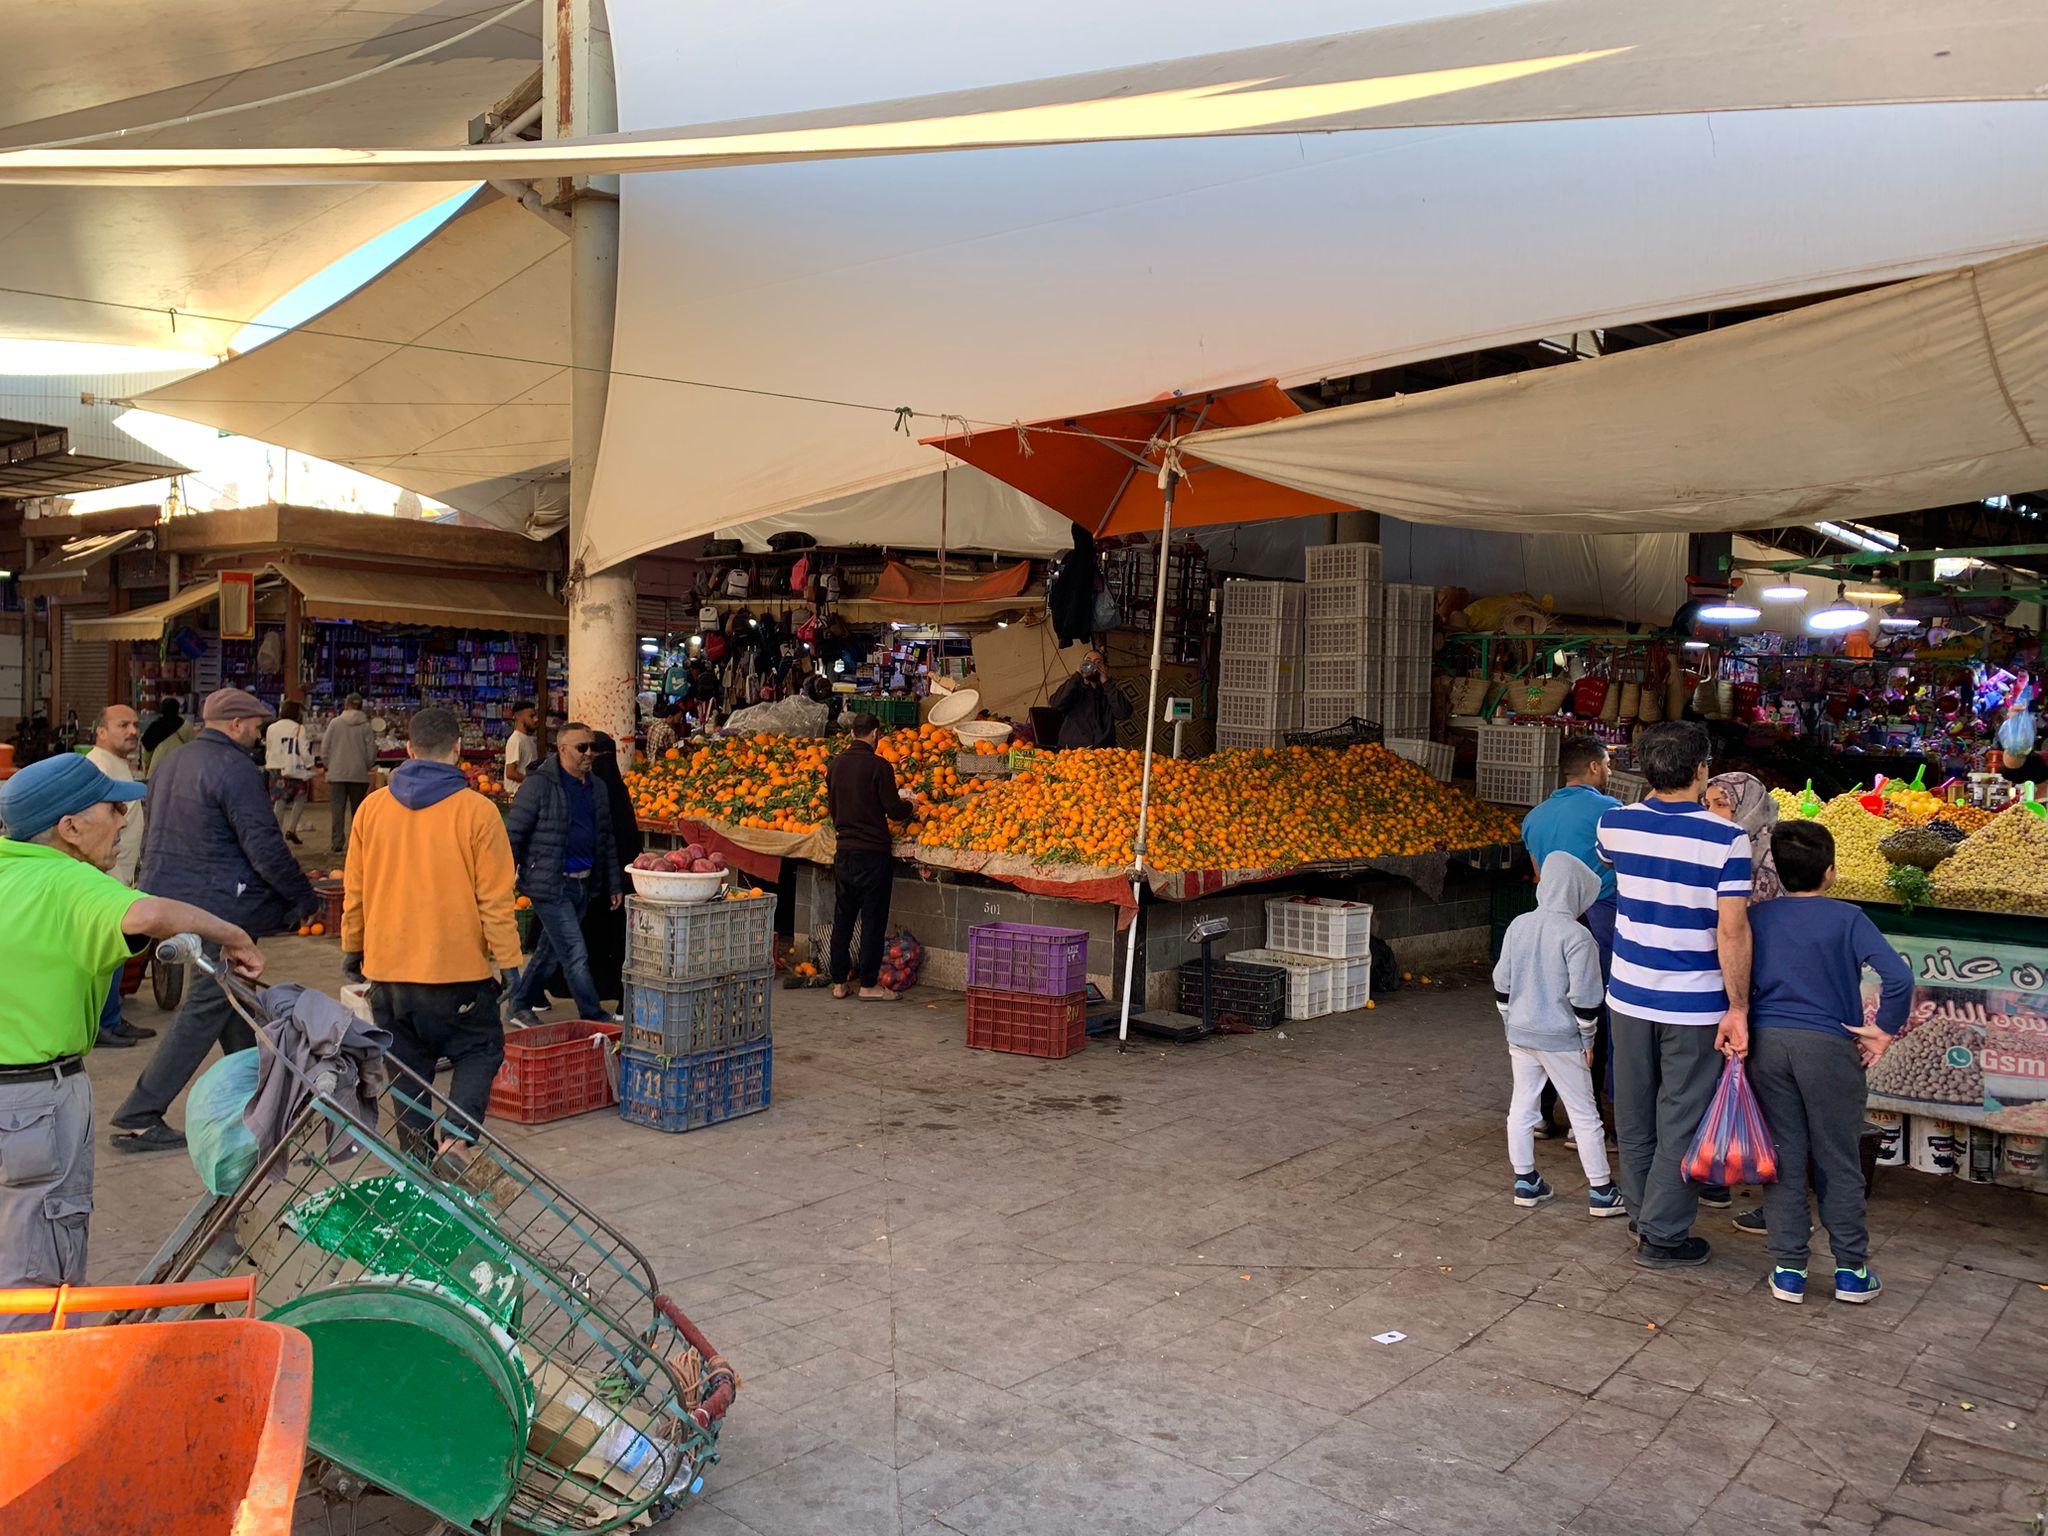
x=1629, y=703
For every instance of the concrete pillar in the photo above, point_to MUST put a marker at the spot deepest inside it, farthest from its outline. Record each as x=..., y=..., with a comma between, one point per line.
x=580, y=97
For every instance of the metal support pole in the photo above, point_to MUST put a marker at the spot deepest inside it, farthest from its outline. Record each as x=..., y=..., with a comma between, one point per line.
x=1170, y=479
x=579, y=97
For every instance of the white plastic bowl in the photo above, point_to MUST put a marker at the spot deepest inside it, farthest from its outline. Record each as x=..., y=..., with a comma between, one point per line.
x=972, y=731
x=664, y=885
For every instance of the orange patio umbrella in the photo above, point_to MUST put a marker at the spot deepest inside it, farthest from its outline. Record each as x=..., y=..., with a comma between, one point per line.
x=1117, y=472
x=1102, y=469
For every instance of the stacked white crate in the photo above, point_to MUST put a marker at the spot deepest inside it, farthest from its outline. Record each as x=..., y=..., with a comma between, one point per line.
x=1341, y=646
x=1258, y=666
x=1410, y=649
x=1517, y=764
x=1325, y=947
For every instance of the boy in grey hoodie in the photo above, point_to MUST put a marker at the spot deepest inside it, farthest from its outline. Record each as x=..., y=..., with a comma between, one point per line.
x=1547, y=983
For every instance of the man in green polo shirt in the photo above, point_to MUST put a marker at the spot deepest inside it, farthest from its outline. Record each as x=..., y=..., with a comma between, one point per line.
x=69, y=924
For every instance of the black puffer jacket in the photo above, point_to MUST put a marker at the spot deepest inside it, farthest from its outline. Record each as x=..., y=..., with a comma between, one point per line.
x=212, y=839
x=538, y=825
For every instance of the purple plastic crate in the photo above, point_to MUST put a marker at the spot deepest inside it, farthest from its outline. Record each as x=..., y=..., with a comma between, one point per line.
x=1023, y=957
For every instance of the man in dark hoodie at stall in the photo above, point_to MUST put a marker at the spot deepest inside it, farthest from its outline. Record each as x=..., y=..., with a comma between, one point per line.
x=427, y=913
x=1090, y=707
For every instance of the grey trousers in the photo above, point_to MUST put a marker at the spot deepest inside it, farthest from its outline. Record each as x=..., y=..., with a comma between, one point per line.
x=206, y=1019
x=45, y=1186
x=1811, y=1089
x=1664, y=1079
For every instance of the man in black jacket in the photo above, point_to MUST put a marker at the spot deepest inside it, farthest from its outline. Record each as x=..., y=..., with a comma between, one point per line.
x=861, y=794
x=212, y=840
x=561, y=830
x=1089, y=708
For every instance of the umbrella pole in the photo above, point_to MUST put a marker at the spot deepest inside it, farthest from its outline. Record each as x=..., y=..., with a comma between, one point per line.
x=1169, y=479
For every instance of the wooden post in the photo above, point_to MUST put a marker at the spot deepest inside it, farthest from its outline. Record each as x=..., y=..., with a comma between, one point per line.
x=118, y=687
x=294, y=639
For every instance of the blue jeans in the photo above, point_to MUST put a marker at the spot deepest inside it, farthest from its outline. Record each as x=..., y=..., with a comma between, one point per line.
x=561, y=943
x=110, y=1011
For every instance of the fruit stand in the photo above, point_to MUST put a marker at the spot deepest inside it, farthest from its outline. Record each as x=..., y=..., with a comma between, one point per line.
x=1962, y=893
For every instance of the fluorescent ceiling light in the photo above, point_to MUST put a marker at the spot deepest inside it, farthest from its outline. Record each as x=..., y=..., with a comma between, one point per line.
x=1695, y=645
x=1838, y=615
x=1874, y=595
x=1730, y=612
x=1870, y=540
x=1784, y=592
x=1900, y=622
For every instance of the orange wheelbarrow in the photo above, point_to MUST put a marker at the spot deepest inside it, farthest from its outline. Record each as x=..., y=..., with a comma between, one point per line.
x=180, y=1429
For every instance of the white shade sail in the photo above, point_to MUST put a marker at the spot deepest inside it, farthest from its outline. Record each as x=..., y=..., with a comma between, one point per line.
x=1034, y=283
x=449, y=368
x=1904, y=397
x=1295, y=68
x=110, y=265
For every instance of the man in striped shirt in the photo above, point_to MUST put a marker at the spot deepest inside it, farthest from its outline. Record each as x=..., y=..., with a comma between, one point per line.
x=1679, y=988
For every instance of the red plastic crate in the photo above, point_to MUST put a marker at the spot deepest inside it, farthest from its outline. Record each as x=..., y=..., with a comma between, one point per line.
x=1025, y=1024
x=553, y=1071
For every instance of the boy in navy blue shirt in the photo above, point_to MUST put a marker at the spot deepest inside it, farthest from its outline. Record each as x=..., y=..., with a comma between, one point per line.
x=1809, y=1048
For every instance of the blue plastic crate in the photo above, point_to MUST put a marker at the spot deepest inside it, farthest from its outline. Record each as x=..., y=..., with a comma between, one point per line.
x=686, y=1093
x=687, y=1018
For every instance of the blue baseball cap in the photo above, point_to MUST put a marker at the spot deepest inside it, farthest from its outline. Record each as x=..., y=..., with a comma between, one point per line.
x=39, y=796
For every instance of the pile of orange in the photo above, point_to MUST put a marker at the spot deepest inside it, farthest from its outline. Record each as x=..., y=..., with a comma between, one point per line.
x=1235, y=810
x=777, y=783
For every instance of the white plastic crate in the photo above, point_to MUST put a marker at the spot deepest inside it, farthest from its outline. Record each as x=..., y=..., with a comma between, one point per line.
x=1257, y=674
x=1344, y=562
x=1340, y=637
x=1404, y=715
x=1311, y=983
x=1261, y=637
x=1335, y=600
x=1511, y=784
x=1267, y=711
x=1628, y=788
x=1520, y=746
x=1351, y=987
x=1333, y=674
x=1434, y=757
x=1411, y=600
x=1239, y=739
x=1318, y=925
x=1320, y=711
x=1261, y=600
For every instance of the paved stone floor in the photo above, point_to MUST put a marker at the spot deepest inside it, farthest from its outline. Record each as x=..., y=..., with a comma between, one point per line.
x=1138, y=1294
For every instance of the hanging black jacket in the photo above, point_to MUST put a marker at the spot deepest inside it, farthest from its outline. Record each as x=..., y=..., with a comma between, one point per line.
x=1071, y=599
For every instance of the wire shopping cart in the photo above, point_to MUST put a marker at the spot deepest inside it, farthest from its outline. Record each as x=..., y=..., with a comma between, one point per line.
x=484, y=1347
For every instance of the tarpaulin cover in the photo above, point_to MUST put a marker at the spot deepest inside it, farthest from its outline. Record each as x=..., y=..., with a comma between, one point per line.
x=1038, y=282
x=900, y=583
x=183, y=269
x=1914, y=395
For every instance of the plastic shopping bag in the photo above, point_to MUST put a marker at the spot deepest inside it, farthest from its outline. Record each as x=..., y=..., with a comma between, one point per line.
x=222, y=1148
x=1732, y=1145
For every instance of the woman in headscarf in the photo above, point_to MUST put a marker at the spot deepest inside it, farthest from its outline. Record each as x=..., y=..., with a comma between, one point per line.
x=1742, y=799
x=604, y=931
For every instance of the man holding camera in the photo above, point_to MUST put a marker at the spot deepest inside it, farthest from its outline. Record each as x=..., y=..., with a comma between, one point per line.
x=1089, y=708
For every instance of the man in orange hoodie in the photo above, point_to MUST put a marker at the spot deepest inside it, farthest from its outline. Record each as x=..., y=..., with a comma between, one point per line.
x=427, y=914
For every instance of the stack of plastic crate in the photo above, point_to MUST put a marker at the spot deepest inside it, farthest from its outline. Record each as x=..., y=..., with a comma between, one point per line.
x=1518, y=763
x=1324, y=946
x=1410, y=639
x=1027, y=989
x=1341, y=635
x=1258, y=666
x=698, y=979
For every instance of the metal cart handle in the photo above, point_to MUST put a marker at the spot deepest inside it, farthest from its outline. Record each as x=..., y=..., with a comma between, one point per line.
x=187, y=949
x=66, y=1299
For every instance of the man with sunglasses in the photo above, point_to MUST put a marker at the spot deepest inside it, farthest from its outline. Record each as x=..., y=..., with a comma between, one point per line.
x=561, y=830
x=69, y=925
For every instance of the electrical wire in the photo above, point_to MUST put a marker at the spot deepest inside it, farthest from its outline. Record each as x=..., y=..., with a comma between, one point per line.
x=272, y=101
